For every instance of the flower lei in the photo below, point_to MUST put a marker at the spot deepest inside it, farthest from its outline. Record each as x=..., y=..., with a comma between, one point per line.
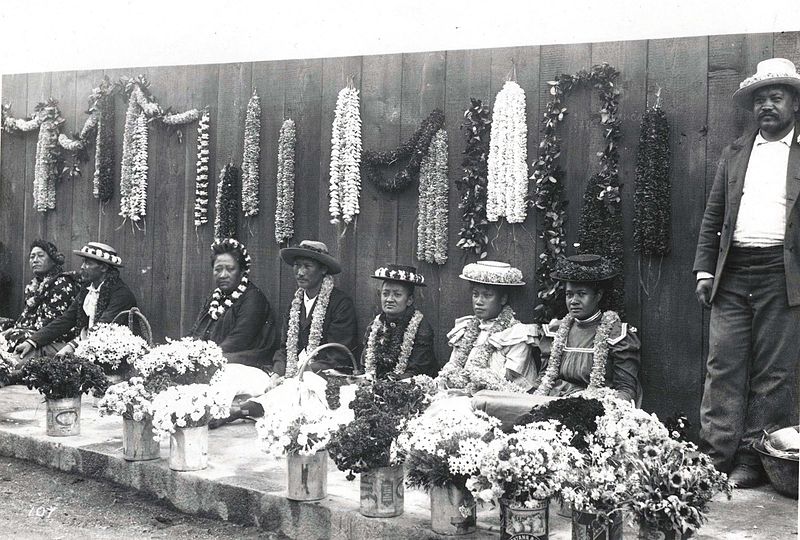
x=218, y=306
x=284, y=207
x=226, y=220
x=652, y=216
x=317, y=320
x=414, y=149
x=252, y=148
x=432, y=213
x=508, y=154
x=505, y=320
x=401, y=356
x=103, y=110
x=201, y=180
x=548, y=193
x=474, y=225
x=345, y=174
x=597, y=377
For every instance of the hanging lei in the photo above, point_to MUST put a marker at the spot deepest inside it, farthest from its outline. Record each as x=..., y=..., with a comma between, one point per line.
x=103, y=109
x=252, y=149
x=284, y=208
x=474, y=225
x=548, y=192
x=414, y=149
x=508, y=155
x=597, y=376
x=345, y=173
x=201, y=180
x=220, y=302
x=432, y=213
x=317, y=320
x=226, y=220
x=401, y=356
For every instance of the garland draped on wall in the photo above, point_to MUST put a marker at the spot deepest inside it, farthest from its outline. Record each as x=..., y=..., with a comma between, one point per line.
x=652, y=217
x=252, y=150
x=226, y=218
x=600, y=227
x=201, y=179
x=432, y=213
x=284, y=208
x=474, y=225
x=345, y=175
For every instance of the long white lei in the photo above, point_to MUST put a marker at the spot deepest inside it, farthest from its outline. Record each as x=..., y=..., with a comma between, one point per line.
x=597, y=377
x=317, y=320
x=405, y=348
x=345, y=167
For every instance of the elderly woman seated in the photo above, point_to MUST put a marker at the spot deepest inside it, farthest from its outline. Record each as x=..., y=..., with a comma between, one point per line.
x=399, y=342
x=491, y=347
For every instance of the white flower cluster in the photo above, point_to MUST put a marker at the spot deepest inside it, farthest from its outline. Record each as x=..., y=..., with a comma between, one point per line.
x=112, y=345
x=46, y=169
x=252, y=150
x=284, y=207
x=283, y=432
x=508, y=154
x=201, y=180
x=345, y=168
x=179, y=119
x=133, y=175
x=433, y=209
x=188, y=405
x=625, y=427
x=181, y=357
x=130, y=399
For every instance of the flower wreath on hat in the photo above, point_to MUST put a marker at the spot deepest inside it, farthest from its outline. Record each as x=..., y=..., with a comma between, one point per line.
x=220, y=301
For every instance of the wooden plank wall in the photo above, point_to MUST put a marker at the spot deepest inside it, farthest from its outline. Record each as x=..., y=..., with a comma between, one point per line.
x=168, y=260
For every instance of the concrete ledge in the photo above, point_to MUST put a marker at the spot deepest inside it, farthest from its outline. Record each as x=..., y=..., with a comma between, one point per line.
x=243, y=485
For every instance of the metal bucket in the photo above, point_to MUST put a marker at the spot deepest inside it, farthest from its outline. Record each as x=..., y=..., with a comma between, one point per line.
x=586, y=526
x=520, y=522
x=137, y=440
x=307, y=476
x=446, y=516
x=382, y=492
x=782, y=472
x=188, y=449
x=64, y=417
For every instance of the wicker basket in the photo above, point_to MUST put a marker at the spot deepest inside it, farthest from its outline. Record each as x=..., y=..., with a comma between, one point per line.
x=137, y=320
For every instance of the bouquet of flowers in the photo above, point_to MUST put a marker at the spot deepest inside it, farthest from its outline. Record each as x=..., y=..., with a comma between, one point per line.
x=472, y=379
x=670, y=486
x=67, y=377
x=131, y=399
x=303, y=433
x=190, y=405
x=111, y=346
x=380, y=411
x=431, y=444
x=531, y=464
x=184, y=361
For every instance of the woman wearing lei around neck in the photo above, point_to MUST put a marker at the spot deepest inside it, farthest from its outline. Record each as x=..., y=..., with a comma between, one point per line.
x=398, y=344
x=491, y=348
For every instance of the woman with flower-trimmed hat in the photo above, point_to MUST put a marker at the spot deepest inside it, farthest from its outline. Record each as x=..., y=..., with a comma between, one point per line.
x=399, y=342
x=491, y=348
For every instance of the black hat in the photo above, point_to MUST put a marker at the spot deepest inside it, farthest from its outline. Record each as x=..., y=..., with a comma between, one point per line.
x=584, y=269
x=312, y=249
x=403, y=274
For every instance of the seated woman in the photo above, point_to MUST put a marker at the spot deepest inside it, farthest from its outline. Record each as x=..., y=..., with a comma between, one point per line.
x=490, y=348
x=589, y=348
x=399, y=342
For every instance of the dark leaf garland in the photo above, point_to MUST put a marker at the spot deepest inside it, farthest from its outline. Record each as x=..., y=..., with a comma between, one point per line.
x=414, y=149
x=652, y=217
x=103, y=106
x=474, y=225
x=226, y=220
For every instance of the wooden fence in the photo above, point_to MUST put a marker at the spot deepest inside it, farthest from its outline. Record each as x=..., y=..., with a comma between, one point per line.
x=167, y=262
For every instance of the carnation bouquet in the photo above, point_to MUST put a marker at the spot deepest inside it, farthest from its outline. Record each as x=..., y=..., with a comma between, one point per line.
x=380, y=411
x=60, y=378
x=184, y=361
x=185, y=406
x=526, y=466
x=111, y=346
x=131, y=399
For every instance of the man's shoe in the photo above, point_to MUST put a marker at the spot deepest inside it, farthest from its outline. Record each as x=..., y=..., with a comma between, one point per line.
x=744, y=476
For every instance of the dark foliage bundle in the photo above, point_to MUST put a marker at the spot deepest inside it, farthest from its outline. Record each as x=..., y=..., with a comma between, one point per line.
x=652, y=212
x=577, y=414
x=678, y=425
x=379, y=408
x=104, y=149
x=59, y=378
x=474, y=225
x=414, y=149
x=226, y=221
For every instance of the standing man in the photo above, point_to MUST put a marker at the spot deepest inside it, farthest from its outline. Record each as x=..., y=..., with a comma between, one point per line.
x=748, y=272
x=103, y=298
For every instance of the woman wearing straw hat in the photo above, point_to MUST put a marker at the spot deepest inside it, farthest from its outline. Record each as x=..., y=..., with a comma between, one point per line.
x=491, y=348
x=399, y=342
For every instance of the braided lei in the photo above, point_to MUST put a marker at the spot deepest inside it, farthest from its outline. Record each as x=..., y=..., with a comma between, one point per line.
x=597, y=377
x=317, y=320
x=220, y=302
x=379, y=326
